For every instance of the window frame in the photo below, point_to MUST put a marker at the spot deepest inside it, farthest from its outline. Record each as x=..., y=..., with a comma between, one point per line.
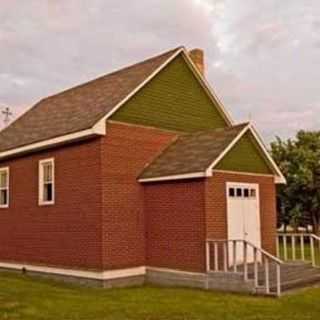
x=41, y=181
x=7, y=171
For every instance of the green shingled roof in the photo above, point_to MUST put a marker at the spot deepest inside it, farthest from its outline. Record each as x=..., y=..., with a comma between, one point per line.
x=192, y=153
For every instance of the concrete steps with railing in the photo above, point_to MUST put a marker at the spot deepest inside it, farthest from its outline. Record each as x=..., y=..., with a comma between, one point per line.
x=294, y=275
x=266, y=274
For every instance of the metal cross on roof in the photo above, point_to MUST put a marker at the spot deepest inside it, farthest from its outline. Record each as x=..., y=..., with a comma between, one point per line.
x=7, y=114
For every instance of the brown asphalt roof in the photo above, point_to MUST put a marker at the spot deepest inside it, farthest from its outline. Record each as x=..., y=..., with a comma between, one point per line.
x=78, y=108
x=192, y=153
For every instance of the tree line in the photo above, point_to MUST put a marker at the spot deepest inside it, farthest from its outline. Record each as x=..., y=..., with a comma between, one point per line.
x=298, y=202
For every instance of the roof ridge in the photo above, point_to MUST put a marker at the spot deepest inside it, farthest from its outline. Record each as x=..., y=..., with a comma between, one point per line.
x=95, y=79
x=136, y=64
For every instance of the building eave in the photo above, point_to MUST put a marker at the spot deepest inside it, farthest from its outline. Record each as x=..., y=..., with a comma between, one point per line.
x=97, y=130
x=184, y=176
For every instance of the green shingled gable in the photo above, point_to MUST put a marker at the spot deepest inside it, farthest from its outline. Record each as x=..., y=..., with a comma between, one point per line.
x=173, y=100
x=245, y=156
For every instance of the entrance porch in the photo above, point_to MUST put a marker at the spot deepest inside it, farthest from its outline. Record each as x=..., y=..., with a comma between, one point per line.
x=296, y=265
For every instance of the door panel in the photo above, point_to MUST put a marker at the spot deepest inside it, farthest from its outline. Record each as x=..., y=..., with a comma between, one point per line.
x=243, y=217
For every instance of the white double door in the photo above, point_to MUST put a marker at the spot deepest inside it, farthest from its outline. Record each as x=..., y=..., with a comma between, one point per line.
x=243, y=218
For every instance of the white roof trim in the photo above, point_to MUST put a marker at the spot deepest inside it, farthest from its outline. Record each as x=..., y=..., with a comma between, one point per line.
x=174, y=177
x=96, y=130
x=280, y=179
x=243, y=173
x=222, y=155
x=207, y=87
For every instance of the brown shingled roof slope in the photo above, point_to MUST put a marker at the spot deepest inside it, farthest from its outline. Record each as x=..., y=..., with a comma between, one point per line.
x=192, y=153
x=78, y=108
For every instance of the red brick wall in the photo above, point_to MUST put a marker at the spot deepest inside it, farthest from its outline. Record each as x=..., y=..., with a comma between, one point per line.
x=176, y=225
x=67, y=234
x=216, y=206
x=127, y=149
x=104, y=219
x=98, y=219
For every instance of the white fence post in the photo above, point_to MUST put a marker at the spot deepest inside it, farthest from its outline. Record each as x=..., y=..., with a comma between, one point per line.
x=216, y=262
x=208, y=256
x=245, y=258
x=293, y=243
x=312, y=251
x=225, y=258
x=256, y=276
x=234, y=256
x=277, y=246
x=278, y=280
x=285, y=253
x=267, y=278
x=302, y=247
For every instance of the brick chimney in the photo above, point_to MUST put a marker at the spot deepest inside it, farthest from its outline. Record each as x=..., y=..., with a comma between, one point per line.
x=197, y=56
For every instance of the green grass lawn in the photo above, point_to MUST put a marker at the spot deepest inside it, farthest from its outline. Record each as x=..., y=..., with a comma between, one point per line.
x=24, y=297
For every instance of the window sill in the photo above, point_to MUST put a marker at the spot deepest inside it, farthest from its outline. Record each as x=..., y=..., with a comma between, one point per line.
x=43, y=204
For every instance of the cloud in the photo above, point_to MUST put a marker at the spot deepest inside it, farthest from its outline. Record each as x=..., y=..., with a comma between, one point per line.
x=262, y=56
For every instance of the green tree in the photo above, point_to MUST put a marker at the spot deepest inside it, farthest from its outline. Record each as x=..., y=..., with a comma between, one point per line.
x=299, y=160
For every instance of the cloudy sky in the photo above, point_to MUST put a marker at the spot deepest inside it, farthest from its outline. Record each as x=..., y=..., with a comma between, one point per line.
x=263, y=57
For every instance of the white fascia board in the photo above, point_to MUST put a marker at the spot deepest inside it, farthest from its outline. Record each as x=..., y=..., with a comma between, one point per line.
x=279, y=179
x=230, y=146
x=175, y=177
x=96, y=130
x=243, y=173
x=207, y=87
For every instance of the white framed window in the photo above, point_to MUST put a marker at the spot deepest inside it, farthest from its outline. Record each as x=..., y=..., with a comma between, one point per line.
x=46, y=182
x=4, y=187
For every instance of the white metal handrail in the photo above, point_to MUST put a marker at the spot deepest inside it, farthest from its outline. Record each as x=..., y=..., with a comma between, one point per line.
x=231, y=246
x=299, y=246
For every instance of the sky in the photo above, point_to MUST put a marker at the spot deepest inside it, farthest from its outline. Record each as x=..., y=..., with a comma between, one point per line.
x=262, y=57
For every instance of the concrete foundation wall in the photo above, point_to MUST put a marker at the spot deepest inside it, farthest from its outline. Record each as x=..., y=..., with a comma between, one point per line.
x=220, y=281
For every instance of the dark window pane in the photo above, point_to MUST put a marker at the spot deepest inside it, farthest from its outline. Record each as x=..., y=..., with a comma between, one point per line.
x=239, y=192
x=231, y=192
x=252, y=193
x=48, y=194
x=3, y=180
x=3, y=197
x=246, y=193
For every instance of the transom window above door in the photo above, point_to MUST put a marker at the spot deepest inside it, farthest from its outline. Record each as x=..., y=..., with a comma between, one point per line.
x=242, y=192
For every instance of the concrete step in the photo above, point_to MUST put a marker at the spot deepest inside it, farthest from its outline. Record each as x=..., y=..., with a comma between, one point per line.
x=297, y=283
x=293, y=275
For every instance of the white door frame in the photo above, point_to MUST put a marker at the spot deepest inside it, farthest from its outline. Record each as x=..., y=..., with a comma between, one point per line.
x=242, y=216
